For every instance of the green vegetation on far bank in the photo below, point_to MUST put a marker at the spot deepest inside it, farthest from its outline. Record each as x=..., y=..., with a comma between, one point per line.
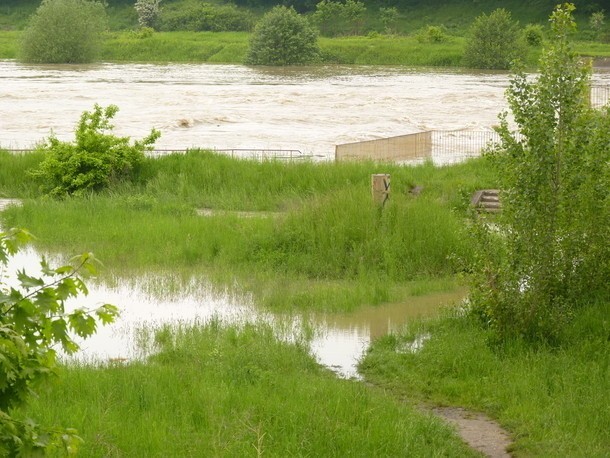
x=232, y=47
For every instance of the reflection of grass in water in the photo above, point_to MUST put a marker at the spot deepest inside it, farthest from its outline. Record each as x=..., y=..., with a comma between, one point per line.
x=222, y=391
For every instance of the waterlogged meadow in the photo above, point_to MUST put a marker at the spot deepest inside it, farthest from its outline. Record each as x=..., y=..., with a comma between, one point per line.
x=314, y=238
x=553, y=400
x=235, y=391
x=301, y=237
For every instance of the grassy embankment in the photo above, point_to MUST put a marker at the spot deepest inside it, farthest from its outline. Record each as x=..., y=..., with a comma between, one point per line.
x=553, y=400
x=373, y=48
x=235, y=392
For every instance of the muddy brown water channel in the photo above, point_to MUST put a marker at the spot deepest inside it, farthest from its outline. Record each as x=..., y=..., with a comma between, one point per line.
x=151, y=302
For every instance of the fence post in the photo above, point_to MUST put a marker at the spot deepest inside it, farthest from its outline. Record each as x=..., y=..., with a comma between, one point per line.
x=380, y=188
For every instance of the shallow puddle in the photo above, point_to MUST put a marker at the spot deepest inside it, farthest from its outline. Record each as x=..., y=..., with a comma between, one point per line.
x=337, y=340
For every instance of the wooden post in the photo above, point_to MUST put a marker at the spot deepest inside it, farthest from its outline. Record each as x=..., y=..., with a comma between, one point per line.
x=380, y=188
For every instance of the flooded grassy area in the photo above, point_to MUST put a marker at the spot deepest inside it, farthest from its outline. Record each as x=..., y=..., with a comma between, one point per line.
x=326, y=278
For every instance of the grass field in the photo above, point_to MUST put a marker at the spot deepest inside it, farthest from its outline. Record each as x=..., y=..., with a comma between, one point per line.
x=320, y=245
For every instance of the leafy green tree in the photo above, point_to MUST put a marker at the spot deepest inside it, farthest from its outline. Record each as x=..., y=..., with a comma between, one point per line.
x=597, y=22
x=34, y=319
x=148, y=12
x=494, y=41
x=388, y=16
x=555, y=227
x=339, y=18
x=95, y=160
x=64, y=31
x=283, y=37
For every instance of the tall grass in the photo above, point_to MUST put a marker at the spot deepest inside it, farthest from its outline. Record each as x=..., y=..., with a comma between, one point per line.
x=14, y=179
x=324, y=231
x=392, y=50
x=218, y=391
x=553, y=400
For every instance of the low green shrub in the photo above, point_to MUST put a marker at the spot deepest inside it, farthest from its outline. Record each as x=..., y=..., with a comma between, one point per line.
x=96, y=159
x=533, y=34
x=432, y=34
x=207, y=17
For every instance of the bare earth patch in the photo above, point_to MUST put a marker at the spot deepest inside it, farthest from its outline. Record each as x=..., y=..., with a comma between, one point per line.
x=477, y=430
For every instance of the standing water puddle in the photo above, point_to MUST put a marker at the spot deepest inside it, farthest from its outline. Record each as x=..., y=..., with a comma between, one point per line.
x=338, y=340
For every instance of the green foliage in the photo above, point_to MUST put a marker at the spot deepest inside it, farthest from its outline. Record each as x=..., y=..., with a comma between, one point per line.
x=34, y=319
x=200, y=17
x=432, y=34
x=237, y=391
x=533, y=34
x=283, y=37
x=494, y=41
x=555, y=227
x=340, y=18
x=64, y=31
x=95, y=161
x=597, y=22
x=388, y=16
x=148, y=12
x=548, y=398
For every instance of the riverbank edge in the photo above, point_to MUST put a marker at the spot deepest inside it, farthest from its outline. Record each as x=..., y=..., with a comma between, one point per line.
x=231, y=48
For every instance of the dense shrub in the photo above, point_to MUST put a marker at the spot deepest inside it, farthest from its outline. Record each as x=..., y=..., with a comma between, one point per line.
x=283, y=37
x=339, y=18
x=96, y=160
x=64, y=31
x=148, y=12
x=388, y=18
x=533, y=34
x=207, y=17
x=494, y=41
x=432, y=34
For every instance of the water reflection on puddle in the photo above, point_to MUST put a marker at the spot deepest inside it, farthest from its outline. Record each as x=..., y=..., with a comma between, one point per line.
x=338, y=340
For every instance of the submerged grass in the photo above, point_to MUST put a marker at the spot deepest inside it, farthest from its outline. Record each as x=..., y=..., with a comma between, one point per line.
x=553, y=400
x=326, y=232
x=235, y=391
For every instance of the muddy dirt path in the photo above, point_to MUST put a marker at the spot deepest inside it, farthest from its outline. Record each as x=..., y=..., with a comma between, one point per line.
x=478, y=430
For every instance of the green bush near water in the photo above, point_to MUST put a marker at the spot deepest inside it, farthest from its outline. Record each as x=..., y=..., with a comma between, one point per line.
x=283, y=37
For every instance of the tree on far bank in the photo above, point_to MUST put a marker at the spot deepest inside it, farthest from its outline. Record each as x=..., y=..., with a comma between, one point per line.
x=148, y=12
x=64, y=31
x=494, y=42
x=283, y=37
